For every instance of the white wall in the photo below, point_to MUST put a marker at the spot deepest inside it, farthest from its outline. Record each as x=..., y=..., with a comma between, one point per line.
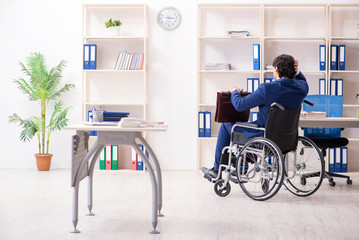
x=54, y=28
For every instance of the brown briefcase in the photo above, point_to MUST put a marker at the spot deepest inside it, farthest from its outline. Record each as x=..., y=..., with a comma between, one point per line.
x=225, y=112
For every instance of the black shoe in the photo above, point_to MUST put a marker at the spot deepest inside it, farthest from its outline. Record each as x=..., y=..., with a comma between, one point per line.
x=210, y=172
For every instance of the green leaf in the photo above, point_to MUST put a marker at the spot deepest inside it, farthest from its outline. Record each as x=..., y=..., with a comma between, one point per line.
x=29, y=126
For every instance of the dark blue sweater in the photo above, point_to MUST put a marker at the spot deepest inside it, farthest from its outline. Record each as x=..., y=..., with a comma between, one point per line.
x=288, y=92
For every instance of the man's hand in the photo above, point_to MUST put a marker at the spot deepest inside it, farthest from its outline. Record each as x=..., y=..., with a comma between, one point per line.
x=231, y=89
x=296, y=66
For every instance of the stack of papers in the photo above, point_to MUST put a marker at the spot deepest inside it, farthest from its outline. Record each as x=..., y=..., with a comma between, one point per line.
x=269, y=67
x=217, y=66
x=314, y=115
x=240, y=33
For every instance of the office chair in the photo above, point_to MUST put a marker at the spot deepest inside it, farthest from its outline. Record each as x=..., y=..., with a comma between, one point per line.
x=263, y=164
x=326, y=138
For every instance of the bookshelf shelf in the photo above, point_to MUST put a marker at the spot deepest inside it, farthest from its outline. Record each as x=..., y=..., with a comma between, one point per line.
x=227, y=38
x=295, y=38
x=278, y=28
x=345, y=38
x=230, y=71
x=113, y=104
x=207, y=138
x=113, y=38
x=112, y=71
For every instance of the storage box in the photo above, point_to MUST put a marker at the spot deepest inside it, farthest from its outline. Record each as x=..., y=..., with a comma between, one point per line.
x=332, y=105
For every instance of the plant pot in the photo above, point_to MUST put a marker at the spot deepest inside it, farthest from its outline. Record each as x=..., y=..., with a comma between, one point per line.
x=114, y=31
x=43, y=161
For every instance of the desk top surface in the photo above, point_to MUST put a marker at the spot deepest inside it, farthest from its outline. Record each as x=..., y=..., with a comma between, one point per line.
x=340, y=122
x=113, y=128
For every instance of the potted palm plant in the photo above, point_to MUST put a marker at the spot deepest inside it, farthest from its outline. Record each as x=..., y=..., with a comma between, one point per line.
x=42, y=86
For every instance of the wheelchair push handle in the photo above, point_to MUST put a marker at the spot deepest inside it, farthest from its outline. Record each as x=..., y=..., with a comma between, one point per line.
x=309, y=103
x=278, y=106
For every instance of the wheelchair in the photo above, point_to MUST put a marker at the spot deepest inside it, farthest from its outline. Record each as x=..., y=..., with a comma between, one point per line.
x=261, y=165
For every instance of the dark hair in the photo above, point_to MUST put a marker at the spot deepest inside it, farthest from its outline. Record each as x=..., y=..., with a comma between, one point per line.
x=285, y=65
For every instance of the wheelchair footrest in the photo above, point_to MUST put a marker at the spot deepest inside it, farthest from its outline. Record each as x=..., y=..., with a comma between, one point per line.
x=209, y=178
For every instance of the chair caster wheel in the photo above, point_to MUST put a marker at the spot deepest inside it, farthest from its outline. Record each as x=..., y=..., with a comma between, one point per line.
x=332, y=184
x=349, y=182
x=222, y=192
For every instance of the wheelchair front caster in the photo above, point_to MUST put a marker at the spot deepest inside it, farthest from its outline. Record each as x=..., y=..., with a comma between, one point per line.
x=220, y=190
x=332, y=184
x=303, y=180
x=349, y=182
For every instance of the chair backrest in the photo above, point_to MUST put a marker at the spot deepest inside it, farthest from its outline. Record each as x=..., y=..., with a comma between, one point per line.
x=282, y=128
x=332, y=105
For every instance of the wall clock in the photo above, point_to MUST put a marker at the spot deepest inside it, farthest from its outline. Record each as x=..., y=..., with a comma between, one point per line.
x=169, y=18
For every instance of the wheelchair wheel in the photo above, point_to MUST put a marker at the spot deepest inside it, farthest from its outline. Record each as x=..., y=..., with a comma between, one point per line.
x=220, y=190
x=304, y=168
x=264, y=175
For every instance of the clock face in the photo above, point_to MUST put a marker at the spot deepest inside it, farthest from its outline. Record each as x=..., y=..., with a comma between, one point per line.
x=169, y=18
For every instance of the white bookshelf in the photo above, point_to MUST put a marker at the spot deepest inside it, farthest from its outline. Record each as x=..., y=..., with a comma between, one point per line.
x=295, y=29
x=115, y=90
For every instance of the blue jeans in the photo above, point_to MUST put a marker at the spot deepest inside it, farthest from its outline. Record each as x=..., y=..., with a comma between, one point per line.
x=223, y=140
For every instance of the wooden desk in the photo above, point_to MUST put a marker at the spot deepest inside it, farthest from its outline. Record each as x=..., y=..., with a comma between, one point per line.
x=330, y=122
x=82, y=166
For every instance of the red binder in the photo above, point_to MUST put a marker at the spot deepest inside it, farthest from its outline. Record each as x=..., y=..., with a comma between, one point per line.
x=108, y=163
x=133, y=159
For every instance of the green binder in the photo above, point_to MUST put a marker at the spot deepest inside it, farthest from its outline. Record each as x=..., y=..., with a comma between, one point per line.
x=114, y=157
x=102, y=160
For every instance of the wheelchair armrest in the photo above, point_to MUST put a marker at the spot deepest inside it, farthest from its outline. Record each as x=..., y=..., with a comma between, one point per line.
x=247, y=125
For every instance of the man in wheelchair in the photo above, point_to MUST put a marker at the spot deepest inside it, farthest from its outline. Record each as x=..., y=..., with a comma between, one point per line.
x=289, y=90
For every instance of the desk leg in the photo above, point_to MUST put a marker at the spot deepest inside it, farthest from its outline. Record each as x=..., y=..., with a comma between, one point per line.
x=75, y=187
x=154, y=188
x=90, y=180
x=75, y=207
x=158, y=173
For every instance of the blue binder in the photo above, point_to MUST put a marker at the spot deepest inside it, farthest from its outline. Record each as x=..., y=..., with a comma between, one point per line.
x=338, y=157
x=93, y=56
x=139, y=159
x=201, y=124
x=249, y=84
x=322, y=86
x=339, y=91
x=344, y=151
x=89, y=118
x=207, y=124
x=253, y=116
x=322, y=57
x=333, y=87
x=341, y=57
x=267, y=80
x=255, y=84
x=256, y=57
x=331, y=158
x=334, y=57
x=86, y=56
